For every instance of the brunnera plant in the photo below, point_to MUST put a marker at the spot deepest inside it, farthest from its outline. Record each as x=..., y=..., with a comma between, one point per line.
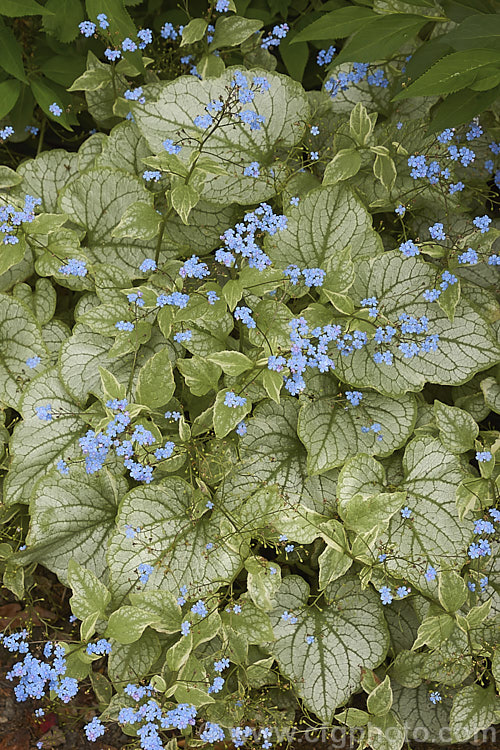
x=248, y=386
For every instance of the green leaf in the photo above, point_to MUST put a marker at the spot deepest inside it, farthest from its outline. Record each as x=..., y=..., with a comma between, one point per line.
x=64, y=23
x=140, y=220
x=9, y=94
x=381, y=37
x=332, y=565
x=133, y=661
x=164, y=605
x=210, y=66
x=233, y=30
x=127, y=624
x=346, y=163
x=155, y=384
x=11, y=254
x=434, y=534
x=12, y=54
x=474, y=708
x=232, y=291
x=227, y=417
x=465, y=346
x=360, y=124
x=332, y=434
x=90, y=595
x=13, y=8
x=349, y=631
x=379, y=701
x=91, y=80
x=336, y=25
x=254, y=626
x=272, y=434
x=233, y=363
x=362, y=513
x=200, y=375
x=46, y=175
x=448, y=300
x=8, y=178
x=457, y=429
x=434, y=631
x=184, y=198
x=47, y=93
x=452, y=590
x=72, y=517
x=262, y=584
x=273, y=383
x=384, y=170
x=475, y=32
x=193, y=31
x=491, y=391
x=324, y=223
x=415, y=710
x=162, y=512
x=451, y=73
x=386, y=732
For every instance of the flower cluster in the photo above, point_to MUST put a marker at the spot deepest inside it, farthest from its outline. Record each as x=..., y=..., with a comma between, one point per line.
x=242, y=239
x=356, y=75
x=11, y=219
x=35, y=676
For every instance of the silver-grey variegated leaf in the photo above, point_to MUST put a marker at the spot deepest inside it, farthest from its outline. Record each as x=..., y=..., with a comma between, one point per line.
x=20, y=339
x=36, y=445
x=332, y=434
x=465, y=346
x=47, y=175
x=326, y=220
x=349, y=633
x=72, y=517
x=96, y=200
x=175, y=545
x=172, y=106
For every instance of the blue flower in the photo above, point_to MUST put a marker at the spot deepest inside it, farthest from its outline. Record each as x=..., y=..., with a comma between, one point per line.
x=183, y=336
x=194, y=269
x=245, y=315
x=385, y=595
x=435, y=697
x=354, y=397
x=436, y=231
x=430, y=574
x=483, y=456
x=87, y=28
x=170, y=147
x=185, y=627
x=94, y=729
x=400, y=210
x=124, y=325
x=402, y=591
x=325, y=56
x=151, y=175
x=294, y=201
x=103, y=20
x=44, y=412
x=62, y=467
x=310, y=639
x=199, y=608
x=482, y=223
x=409, y=249
x=469, y=256
x=314, y=130
x=314, y=156
x=33, y=362
x=74, y=267
x=112, y=54
x=144, y=571
x=55, y=109
x=222, y=6
x=241, y=429
x=128, y=45
x=232, y=400
x=100, y=648
x=252, y=170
